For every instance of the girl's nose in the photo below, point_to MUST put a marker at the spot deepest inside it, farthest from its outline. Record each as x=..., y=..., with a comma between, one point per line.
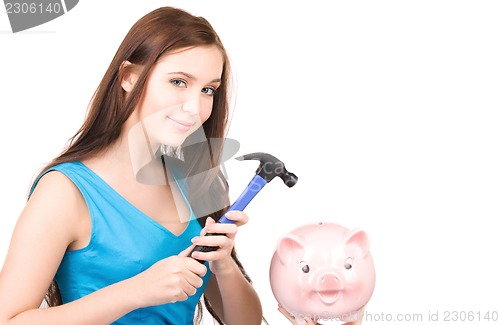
x=192, y=106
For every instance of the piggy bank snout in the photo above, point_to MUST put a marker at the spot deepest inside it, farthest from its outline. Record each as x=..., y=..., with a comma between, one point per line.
x=329, y=282
x=329, y=287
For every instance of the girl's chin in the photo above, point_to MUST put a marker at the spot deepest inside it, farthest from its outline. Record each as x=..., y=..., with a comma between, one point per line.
x=170, y=142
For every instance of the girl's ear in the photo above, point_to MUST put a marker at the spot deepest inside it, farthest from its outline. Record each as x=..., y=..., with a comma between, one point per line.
x=130, y=75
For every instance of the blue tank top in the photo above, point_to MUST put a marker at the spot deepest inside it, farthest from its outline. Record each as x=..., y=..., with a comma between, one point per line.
x=124, y=242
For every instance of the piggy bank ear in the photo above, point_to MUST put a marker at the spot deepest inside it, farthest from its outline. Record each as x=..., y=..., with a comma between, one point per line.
x=288, y=246
x=358, y=239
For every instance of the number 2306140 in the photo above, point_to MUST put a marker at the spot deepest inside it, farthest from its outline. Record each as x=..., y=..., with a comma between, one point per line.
x=33, y=8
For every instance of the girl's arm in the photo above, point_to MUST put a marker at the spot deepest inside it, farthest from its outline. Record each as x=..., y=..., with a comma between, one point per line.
x=232, y=297
x=48, y=224
x=229, y=293
x=51, y=222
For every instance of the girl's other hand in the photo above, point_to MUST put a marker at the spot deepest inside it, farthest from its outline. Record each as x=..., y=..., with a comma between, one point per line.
x=219, y=259
x=169, y=280
x=309, y=321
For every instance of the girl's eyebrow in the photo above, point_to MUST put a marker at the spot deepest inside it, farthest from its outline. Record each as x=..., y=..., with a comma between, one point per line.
x=190, y=76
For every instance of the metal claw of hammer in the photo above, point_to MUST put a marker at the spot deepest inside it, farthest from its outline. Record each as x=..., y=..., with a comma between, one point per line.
x=269, y=168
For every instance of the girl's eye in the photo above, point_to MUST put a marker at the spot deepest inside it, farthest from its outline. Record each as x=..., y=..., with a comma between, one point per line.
x=208, y=90
x=178, y=83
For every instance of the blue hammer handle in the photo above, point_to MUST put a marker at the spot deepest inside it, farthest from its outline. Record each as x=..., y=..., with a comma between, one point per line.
x=255, y=185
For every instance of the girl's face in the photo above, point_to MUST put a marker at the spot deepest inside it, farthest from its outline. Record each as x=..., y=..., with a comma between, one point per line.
x=178, y=97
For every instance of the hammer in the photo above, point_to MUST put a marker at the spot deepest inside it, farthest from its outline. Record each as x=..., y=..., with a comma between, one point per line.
x=268, y=169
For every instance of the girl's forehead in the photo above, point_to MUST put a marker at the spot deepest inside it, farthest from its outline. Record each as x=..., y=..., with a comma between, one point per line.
x=203, y=61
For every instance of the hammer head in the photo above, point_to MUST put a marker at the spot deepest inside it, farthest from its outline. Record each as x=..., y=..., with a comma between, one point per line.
x=270, y=167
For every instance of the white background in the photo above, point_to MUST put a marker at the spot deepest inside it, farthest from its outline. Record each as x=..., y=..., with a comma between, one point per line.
x=388, y=111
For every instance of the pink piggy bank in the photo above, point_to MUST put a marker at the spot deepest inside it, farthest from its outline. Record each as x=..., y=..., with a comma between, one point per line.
x=323, y=271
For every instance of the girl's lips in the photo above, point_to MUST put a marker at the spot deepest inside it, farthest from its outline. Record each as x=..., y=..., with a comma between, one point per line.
x=181, y=125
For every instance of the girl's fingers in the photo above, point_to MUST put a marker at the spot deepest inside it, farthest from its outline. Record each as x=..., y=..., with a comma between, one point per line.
x=187, y=251
x=223, y=244
x=310, y=321
x=239, y=217
x=286, y=314
x=215, y=241
x=227, y=229
x=291, y=318
x=224, y=238
x=209, y=256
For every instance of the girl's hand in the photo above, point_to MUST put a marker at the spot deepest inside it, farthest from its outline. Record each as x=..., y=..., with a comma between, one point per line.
x=309, y=321
x=169, y=280
x=219, y=259
x=294, y=321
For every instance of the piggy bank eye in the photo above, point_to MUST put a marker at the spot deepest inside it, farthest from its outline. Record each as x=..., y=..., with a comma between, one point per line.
x=305, y=267
x=348, y=263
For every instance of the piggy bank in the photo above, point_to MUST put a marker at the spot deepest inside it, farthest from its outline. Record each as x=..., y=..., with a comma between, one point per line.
x=323, y=271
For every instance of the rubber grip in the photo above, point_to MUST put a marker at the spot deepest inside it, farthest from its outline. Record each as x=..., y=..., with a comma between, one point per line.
x=205, y=249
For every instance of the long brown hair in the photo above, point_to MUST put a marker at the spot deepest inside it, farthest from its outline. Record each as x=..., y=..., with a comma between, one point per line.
x=160, y=32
